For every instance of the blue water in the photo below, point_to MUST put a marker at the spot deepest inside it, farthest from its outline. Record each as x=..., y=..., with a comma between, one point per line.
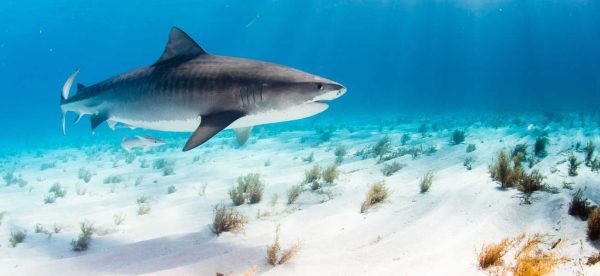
x=393, y=56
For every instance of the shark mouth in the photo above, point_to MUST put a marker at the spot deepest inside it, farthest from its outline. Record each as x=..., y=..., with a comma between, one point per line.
x=329, y=96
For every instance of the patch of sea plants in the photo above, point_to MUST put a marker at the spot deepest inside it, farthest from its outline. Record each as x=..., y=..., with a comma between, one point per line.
x=580, y=206
x=11, y=179
x=83, y=240
x=249, y=189
x=383, y=150
x=339, y=152
x=458, y=136
x=590, y=150
x=113, y=179
x=389, y=169
x=510, y=174
x=85, y=175
x=167, y=166
x=316, y=173
x=46, y=166
x=468, y=163
x=541, y=144
x=573, y=164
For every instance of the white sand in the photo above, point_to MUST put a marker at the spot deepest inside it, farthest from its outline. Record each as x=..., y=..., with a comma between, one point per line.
x=436, y=233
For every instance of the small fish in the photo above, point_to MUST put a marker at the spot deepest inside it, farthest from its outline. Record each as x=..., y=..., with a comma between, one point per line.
x=145, y=143
x=252, y=20
x=530, y=127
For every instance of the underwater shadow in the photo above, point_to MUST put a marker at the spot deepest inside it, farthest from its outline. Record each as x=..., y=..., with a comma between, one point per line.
x=190, y=252
x=166, y=253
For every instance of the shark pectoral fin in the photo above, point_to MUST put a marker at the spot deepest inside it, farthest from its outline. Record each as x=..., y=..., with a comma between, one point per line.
x=97, y=119
x=210, y=125
x=242, y=134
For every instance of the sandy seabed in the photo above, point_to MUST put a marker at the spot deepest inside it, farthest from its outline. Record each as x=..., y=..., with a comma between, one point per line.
x=412, y=233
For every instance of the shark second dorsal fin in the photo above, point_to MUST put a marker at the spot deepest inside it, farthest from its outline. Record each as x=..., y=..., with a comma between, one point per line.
x=181, y=47
x=80, y=88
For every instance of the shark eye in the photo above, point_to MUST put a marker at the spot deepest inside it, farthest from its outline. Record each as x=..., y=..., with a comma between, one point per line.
x=320, y=86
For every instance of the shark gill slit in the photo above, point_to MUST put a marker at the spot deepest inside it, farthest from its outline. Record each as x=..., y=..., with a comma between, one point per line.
x=247, y=96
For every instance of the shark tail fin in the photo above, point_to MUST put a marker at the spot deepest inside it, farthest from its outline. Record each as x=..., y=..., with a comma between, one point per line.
x=64, y=96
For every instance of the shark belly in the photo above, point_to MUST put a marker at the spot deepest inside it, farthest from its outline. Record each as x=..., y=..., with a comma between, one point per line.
x=274, y=116
x=257, y=118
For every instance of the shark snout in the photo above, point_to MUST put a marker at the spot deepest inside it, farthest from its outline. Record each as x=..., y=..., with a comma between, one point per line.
x=341, y=90
x=332, y=90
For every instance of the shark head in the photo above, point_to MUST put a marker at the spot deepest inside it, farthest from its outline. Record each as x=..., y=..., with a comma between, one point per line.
x=286, y=87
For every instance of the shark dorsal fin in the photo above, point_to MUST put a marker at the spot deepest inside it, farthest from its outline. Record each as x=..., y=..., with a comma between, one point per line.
x=181, y=47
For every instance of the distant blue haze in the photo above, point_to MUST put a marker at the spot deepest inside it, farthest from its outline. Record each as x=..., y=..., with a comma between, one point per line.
x=393, y=56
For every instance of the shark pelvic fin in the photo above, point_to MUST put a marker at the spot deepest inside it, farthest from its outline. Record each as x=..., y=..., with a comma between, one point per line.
x=242, y=134
x=180, y=48
x=97, y=119
x=78, y=118
x=210, y=125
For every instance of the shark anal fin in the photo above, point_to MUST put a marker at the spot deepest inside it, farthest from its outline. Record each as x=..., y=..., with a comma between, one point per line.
x=210, y=125
x=242, y=134
x=181, y=47
x=97, y=119
x=111, y=124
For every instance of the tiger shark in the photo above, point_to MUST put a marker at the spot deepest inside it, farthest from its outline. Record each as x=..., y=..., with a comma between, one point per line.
x=190, y=90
